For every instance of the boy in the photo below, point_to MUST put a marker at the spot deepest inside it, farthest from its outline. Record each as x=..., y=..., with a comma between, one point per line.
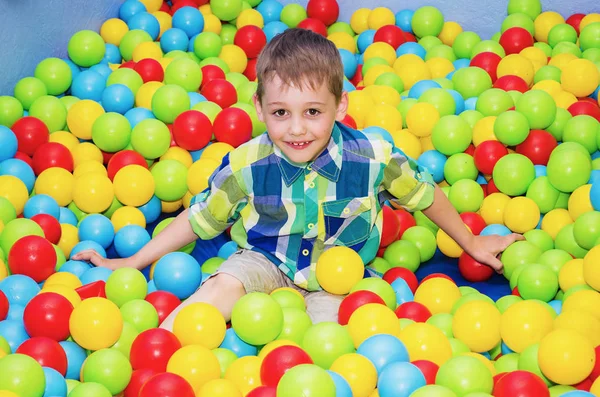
x=308, y=184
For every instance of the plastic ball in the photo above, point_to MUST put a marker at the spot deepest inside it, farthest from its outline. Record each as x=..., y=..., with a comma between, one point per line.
x=522, y=383
x=339, y=264
x=47, y=315
x=451, y=135
x=265, y=323
x=22, y=375
x=520, y=329
x=426, y=342
x=32, y=256
x=134, y=185
x=108, y=367
x=565, y=358
x=232, y=126
x=196, y=364
x=513, y=174
x=86, y=48
x=166, y=384
x=96, y=323
x=178, y=273
x=515, y=39
x=521, y=214
x=580, y=77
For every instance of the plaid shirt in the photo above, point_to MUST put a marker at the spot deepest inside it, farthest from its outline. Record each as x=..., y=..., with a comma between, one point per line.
x=293, y=212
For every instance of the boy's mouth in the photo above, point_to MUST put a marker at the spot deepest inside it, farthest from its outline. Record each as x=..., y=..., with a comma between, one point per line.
x=298, y=145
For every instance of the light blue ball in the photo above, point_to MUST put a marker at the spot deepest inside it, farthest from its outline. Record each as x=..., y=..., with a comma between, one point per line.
x=556, y=305
x=67, y=216
x=41, y=204
x=188, y=19
x=496, y=229
x=270, y=10
x=434, y=162
x=348, y=86
x=174, y=39
x=178, y=273
x=349, y=62
x=102, y=69
x=17, y=168
x=151, y=286
x=98, y=228
x=470, y=103
x=112, y=54
x=146, y=22
x=152, y=209
x=342, y=388
x=19, y=289
x=400, y=379
x=233, y=342
x=76, y=355
x=130, y=8
x=196, y=98
x=95, y=274
x=86, y=245
x=130, y=239
x=411, y=48
x=118, y=98
x=383, y=350
x=78, y=268
x=88, y=85
x=14, y=333
x=273, y=28
x=404, y=20
x=8, y=143
x=595, y=195
x=458, y=100
x=365, y=39
x=461, y=63
x=56, y=385
x=227, y=249
x=421, y=87
x=540, y=170
x=403, y=291
x=15, y=312
x=136, y=115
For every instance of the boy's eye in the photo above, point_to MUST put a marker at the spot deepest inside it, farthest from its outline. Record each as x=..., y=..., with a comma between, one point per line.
x=279, y=113
x=313, y=112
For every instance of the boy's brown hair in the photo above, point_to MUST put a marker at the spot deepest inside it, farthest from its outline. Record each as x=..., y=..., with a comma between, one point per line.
x=301, y=57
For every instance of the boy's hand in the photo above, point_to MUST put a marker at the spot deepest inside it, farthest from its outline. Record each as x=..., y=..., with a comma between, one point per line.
x=485, y=249
x=97, y=260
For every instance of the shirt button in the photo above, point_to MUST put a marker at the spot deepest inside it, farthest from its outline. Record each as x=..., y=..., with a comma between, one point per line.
x=311, y=185
x=311, y=225
x=309, y=167
x=305, y=252
x=346, y=210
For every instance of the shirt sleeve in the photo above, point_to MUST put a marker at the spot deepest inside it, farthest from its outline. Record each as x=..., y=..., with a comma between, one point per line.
x=408, y=184
x=212, y=211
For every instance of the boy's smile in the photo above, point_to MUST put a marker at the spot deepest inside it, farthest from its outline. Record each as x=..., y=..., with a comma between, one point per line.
x=299, y=119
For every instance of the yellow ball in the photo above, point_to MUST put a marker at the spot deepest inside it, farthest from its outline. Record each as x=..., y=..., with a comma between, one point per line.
x=339, y=269
x=93, y=193
x=205, y=10
x=372, y=319
x=379, y=17
x=149, y=49
x=81, y=117
x=360, y=104
x=269, y=347
x=6, y=393
x=216, y=151
x=359, y=21
x=579, y=202
x=200, y=324
x=133, y=185
x=411, y=72
x=426, y=342
x=585, y=300
x=581, y=322
x=525, y=323
x=447, y=245
x=483, y=130
x=534, y=54
x=571, y=274
x=358, y=371
x=196, y=364
x=374, y=72
x=89, y=166
x=165, y=21
x=580, y=77
x=408, y=143
x=565, y=357
x=96, y=324
x=199, y=172
x=564, y=99
x=493, y=208
x=171, y=206
x=550, y=86
x=245, y=373
x=143, y=98
x=152, y=5
x=65, y=138
x=219, y=388
x=383, y=94
x=595, y=389
x=63, y=278
x=516, y=65
x=439, y=67
x=521, y=214
x=555, y=220
x=86, y=151
x=3, y=270
x=250, y=17
x=477, y=324
x=66, y=291
x=164, y=62
x=113, y=30
x=483, y=360
x=589, y=18
x=343, y=40
x=178, y=154
x=438, y=295
x=380, y=50
x=384, y=116
x=426, y=144
x=127, y=216
x=544, y=23
x=68, y=239
x=561, y=60
x=421, y=118
x=234, y=57
x=591, y=274
x=187, y=199
x=212, y=24
x=57, y=183
x=449, y=32
x=15, y=191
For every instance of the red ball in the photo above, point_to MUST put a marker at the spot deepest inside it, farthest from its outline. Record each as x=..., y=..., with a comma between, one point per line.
x=263, y=391
x=210, y=73
x=106, y=157
x=414, y=311
x=166, y=385
x=326, y=11
x=487, y=61
x=584, y=385
x=23, y=157
x=279, y=361
x=593, y=376
x=192, y=130
x=314, y=25
x=487, y=154
x=4, y=305
x=47, y=315
x=499, y=376
x=31, y=133
x=182, y=3
x=575, y=20
x=538, y=146
x=355, y=300
x=122, y=159
x=47, y=352
x=164, y=302
x=400, y=272
x=153, y=348
x=349, y=121
x=470, y=150
x=585, y=107
x=391, y=226
x=164, y=8
x=514, y=40
x=32, y=256
x=221, y=92
x=511, y=83
x=250, y=71
x=50, y=226
x=52, y=154
x=173, y=142
x=437, y=275
x=473, y=270
x=390, y=34
x=357, y=78
x=515, y=291
x=409, y=37
x=491, y=187
x=474, y=221
x=406, y=221
x=521, y=384
x=233, y=126
x=251, y=39
x=128, y=65
x=428, y=369
x=150, y=70
x=138, y=378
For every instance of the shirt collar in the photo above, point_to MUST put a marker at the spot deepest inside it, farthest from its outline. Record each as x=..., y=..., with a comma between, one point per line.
x=328, y=164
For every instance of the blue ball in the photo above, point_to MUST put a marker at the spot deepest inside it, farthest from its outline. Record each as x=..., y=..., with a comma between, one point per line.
x=78, y=268
x=102, y=69
x=95, y=274
x=196, y=98
x=75, y=70
x=434, y=162
x=8, y=143
x=135, y=115
x=15, y=312
x=596, y=155
x=421, y=87
x=146, y=22
x=404, y=20
x=191, y=43
x=348, y=86
x=152, y=209
x=270, y=10
x=41, y=204
x=19, y=289
x=76, y=355
x=14, y=333
x=403, y=291
x=594, y=177
x=17, y=168
x=505, y=349
x=470, y=103
x=130, y=8
x=188, y=19
x=486, y=355
x=342, y=388
x=349, y=62
x=540, y=170
x=227, y=249
x=273, y=28
x=595, y=195
x=577, y=393
x=130, y=239
x=595, y=93
x=112, y=54
x=458, y=100
x=365, y=39
x=174, y=39
x=556, y=305
x=67, y=216
x=98, y=228
x=86, y=245
x=118, y=98
x=151, y=286
x=381, y=132
x=461, y=63
x=496, y=229
x=178, y=273
x=56, y=385
x=236, y=345
x=197, y=153
x=411, y=48
x=481, y=179
x=88, y=85
x=383, y=350
x=400, y=379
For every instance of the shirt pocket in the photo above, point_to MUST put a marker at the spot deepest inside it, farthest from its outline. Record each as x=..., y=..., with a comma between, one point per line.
x=347, y=222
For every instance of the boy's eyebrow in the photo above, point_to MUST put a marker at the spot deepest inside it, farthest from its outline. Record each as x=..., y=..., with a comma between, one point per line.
x=275, y=103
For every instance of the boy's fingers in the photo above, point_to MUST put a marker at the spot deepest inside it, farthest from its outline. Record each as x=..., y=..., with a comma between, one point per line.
x=89, y=256
x=496, y=265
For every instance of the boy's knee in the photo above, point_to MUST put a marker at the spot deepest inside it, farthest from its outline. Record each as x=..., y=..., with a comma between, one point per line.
x=223, y=281
x=323, y=307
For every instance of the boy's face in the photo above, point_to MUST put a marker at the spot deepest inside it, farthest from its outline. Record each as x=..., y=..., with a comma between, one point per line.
x=299, y=121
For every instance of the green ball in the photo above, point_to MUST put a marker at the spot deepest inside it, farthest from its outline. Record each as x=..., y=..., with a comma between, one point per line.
x=424, y=239
x=141, y=314
x=228, y=32
x=380, y=265
x=212, y=264
x=441, y=99
x=90, y=389
x=184, y=73
x=110, y=368
x=451, y=135
x=128, y=77
x=458, y=167
x=390, y=79
x=493, y=102
x=528, y=361
x=22, y=375
x=569, y=167
x=55, y=74
x=539, y=108
x=404, y=107
x=540, y=238
x=216, y=62
x=566, y=48
x=257, y=318
x=518, y=20
x=111, y=132
x=170, y=179
x=515, y=95
x=246, y=92
x=471, y=81
x=427, y=21
x=86, y=48
x=433, y=391
x=582, y=129
x=466, y=290
x=237, y=79
x=464, y=43
x=562, y=32
x=531, y=8
x=589, y=36
x=209, y=109
x=466, y=195
x=511, y=128
x=496, y=37
x=545, y=47
x=168, y=102
x=441, y=51
x=554, y=259
x=289, y=299
x=572, y=290
x=558, y=125
x=295, y=324
x=592, y=54
x=422, y=220
x=258, y=127
x=325, y=342
x=60, y=257
x=513, y=174
x=586, y=229
x=547, y=72
x=458, y=347
x=4, y=346
x=16, y=229
x=176, y=54
x=151, y=138
x=69, y=101
x=207, y=44
x=79, y=214
x=131, y=40
x=115, y=205
x=507, y=301
x=51, y=111
x=428, y=42
x=10, y=110
x=444, y=82
x=559, y=390
x=565, y=240
x=128, y=335
x=517, y=254
x=226, y=10
x=226, y=357
x=443, y=322
x=71, y=384
x=193, y=57
x=464, y=375
x=514, y=279
x=538, y=282
x=403, y=253
x=507, y=363
x=292, y=14
x=469, y=298
x=340, y=27
x=306, y=380
x=28, y=89
x=379, y=286
x=489, y=46
x=369, y=63
x=471, y=117
x=126, y=284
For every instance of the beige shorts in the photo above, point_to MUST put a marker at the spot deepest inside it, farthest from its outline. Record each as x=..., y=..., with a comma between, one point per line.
x=259, y=274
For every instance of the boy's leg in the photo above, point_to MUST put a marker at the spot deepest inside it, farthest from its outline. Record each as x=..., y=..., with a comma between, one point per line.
x=322, y=306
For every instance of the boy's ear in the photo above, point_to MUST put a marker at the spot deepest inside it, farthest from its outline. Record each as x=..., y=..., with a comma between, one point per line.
x=342, y=107
x=258, y=108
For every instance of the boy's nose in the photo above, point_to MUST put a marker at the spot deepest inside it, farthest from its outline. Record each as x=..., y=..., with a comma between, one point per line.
x=297, y=126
